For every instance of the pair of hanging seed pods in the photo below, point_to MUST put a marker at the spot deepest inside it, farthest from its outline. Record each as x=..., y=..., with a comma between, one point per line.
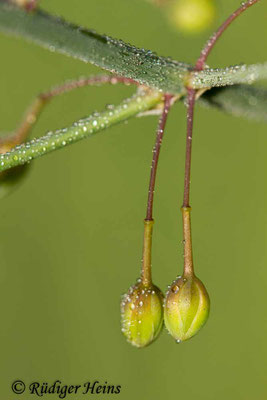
x=184, y=309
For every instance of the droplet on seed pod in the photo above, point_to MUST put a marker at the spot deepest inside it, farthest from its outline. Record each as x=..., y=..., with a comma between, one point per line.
x=186, y=307
x=142, y=314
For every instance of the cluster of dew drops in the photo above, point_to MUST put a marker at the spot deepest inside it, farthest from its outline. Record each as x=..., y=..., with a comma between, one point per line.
x=25, y=152
x=216, y=77
x=126, y=298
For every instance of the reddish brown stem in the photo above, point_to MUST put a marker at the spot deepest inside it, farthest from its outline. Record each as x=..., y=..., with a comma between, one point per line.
x=146, y=262
x=191, y=95
x=214, y=38
x=36, y=108
x=200, y=64
x=156, y=151
x=94, y=80
x=188, y=254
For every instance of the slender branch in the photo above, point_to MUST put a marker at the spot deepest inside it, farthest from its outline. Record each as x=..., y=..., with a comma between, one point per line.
x=39, y=103
x=242, y=100
x=192, y=93
x=214, y=38
x=247, y=73
x=82, y=82
x=186, y=209
x=142, y=101
x=209, y=78
x=148, y=228
x=191, y=97
x=156, y=152
x=190, y=116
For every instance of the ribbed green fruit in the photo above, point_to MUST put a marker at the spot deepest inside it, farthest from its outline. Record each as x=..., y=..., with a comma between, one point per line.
x=186, y=308
x=142, y=314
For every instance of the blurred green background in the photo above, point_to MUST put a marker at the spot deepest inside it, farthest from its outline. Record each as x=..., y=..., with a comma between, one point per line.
x=71, y=235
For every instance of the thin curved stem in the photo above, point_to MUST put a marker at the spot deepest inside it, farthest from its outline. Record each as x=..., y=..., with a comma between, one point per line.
x=188, y=155
x=214, y=38
x=148, y=228
x=156, y=152
x=191, y=97
x=192, y=93
x=42, y=99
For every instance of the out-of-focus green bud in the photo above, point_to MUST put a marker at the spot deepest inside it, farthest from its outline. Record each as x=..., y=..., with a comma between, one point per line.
x=11, y=178
x=186, y=307
x=192, y=16
x=142, y=314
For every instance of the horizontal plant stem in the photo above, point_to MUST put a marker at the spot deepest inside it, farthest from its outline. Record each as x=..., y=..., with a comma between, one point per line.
x=118, y=57
x=241, y=100
x=229, y=76
x=142, y=101
x=103, y=51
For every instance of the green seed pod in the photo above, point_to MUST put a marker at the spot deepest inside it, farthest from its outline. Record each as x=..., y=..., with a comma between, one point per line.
x=186, y=307
x=142, y=314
